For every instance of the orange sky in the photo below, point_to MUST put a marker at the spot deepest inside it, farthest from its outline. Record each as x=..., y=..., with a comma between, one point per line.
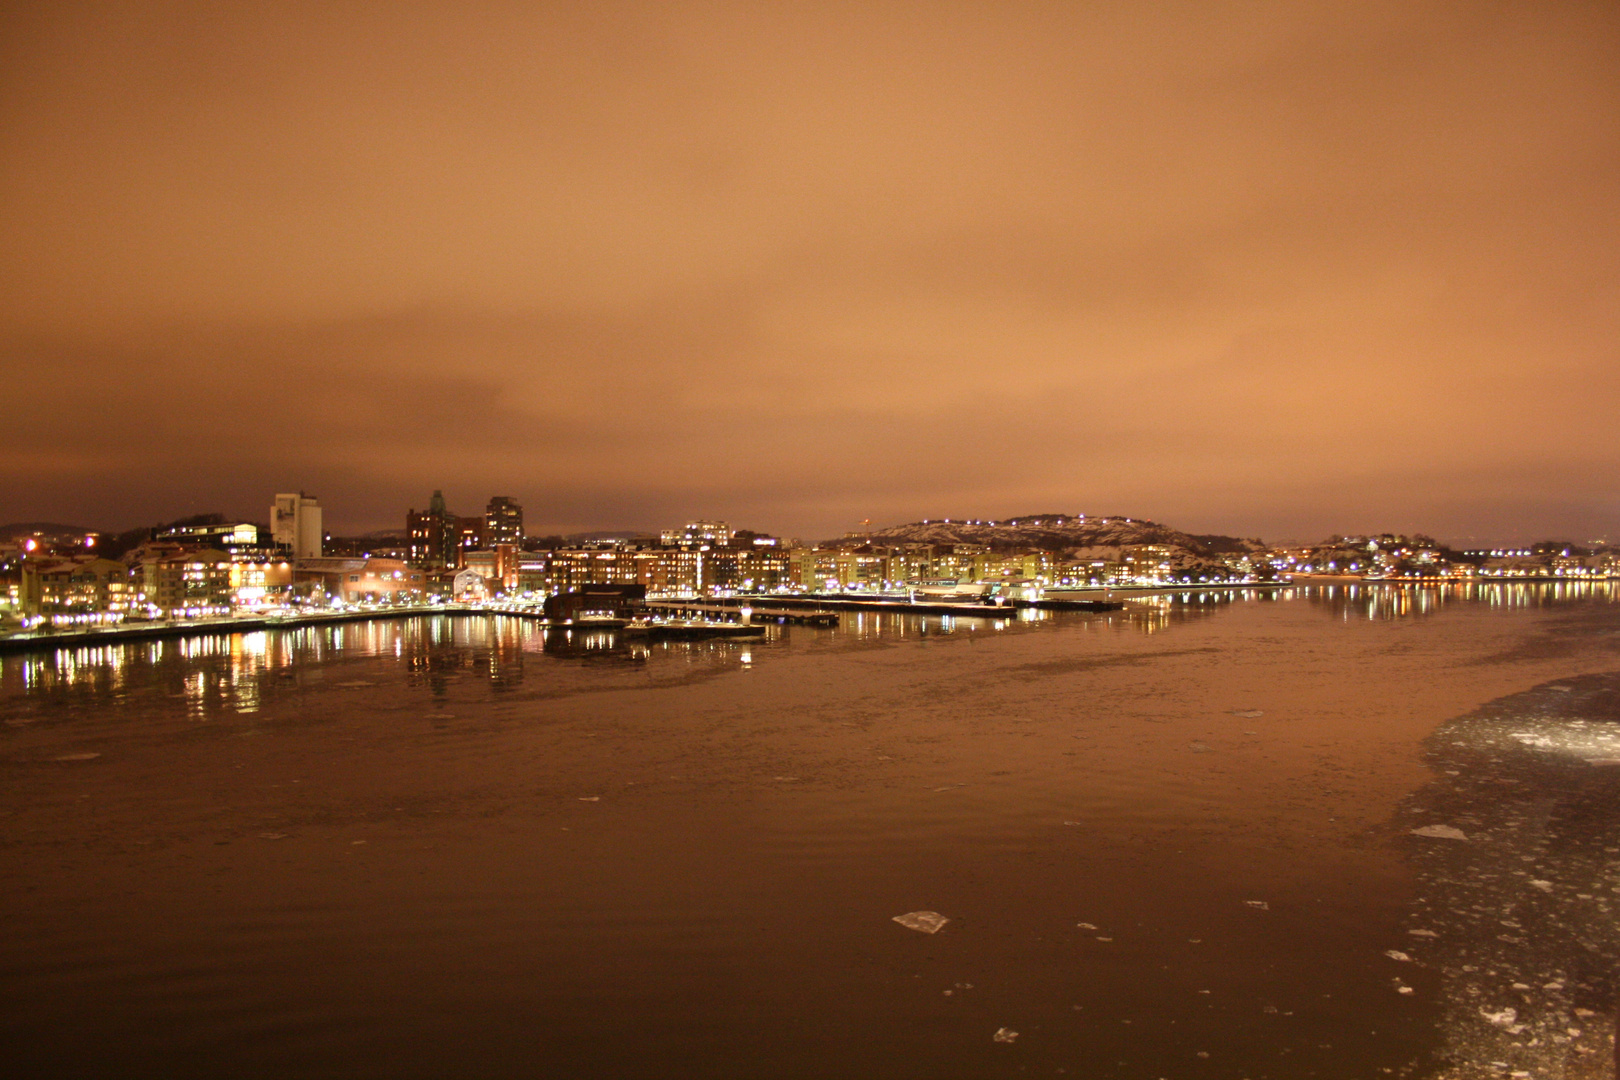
x=1279, y=270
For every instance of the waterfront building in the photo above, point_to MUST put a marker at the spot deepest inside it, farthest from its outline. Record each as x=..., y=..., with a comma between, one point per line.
x=259, y=583
x=531, y=571
x=353, y=581
x=1147, y=562
x=481, y=563
x=498, y=566
x=503, y=522
x=295, y=525
x=82, y=586
x=812, y=569
x=727, y=570
x=863, y=569
x=598, y=601
x=177, y=582
x=469, y=585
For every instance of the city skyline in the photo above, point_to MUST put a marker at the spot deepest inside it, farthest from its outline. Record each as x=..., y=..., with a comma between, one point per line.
x=1288, y=271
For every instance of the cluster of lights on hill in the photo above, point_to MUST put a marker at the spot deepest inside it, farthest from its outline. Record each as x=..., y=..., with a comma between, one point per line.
x=1030, y=519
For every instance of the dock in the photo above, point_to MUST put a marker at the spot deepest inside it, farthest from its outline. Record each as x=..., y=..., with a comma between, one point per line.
x=91, y=637
x=36, y=640
x=767, y=605
x=733, y=611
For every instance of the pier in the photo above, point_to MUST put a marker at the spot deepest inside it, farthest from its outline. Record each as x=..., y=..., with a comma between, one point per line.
x=94, y=636
x=769, y=604
x=734, y=610
x=34, y=640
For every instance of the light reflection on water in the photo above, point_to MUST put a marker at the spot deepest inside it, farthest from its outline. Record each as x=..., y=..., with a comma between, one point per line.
x=574, y=864
x=234, y=672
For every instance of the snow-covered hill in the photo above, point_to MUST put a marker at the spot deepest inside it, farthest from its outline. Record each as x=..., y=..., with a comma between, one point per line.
x=1056, y=532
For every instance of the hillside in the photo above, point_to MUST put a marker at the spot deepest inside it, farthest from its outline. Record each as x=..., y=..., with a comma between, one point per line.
x=1058, y=532
x=43, y=528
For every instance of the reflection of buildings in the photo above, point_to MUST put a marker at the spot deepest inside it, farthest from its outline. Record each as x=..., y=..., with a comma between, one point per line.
x=506, y=653
x=1518, y=884
x=1392, y=600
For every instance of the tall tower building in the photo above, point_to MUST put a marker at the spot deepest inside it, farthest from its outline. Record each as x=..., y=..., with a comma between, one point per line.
x=503, y=522
x=295, y=524
x=435, y=539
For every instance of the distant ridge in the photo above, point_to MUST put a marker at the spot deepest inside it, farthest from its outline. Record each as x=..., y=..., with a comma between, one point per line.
x=47, y=528
x=1056, y=532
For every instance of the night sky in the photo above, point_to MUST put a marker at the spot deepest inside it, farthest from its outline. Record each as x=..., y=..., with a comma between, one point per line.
x=1278, y=270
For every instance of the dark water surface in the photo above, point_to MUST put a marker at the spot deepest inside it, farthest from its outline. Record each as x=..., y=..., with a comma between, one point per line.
x=453, y=847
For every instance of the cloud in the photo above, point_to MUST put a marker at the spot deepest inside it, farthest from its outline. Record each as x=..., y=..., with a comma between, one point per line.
x=794, y=265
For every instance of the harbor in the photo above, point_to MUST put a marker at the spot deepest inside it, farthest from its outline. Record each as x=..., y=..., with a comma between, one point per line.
x=657, y=628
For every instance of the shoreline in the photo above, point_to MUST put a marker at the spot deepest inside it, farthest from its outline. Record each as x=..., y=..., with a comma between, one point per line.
x=31, y=641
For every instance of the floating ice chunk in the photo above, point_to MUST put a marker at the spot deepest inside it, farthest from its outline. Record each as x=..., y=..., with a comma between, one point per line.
x=1440, y=832
x=1603, y=760
x=1504, y=1019
x=926, y=922
x=1561, y=689
x=75, y=757
x=1423, y=933
x=1084, y=926
x=1071, y=823
x=1005, y=1035
x=1544, y=886
x=1396, y=954
x=1249, y=713
x=590, y=798
x=1259, y=905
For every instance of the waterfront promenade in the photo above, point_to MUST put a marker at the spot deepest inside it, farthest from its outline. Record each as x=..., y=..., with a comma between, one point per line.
x=79, y=637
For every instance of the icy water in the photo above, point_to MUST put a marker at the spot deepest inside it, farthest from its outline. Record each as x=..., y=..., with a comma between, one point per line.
x=1175, y=841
